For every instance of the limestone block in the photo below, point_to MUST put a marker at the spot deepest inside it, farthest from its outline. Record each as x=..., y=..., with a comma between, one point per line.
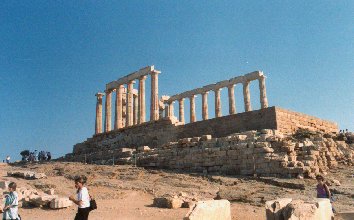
x=298, y=209
x=206, y=137
x=49, y=191
x=211, y=210
x=195, y=139
x=59, y=203
x=42, y=200
x=168, y=202
x=274, y=208
x=4, y=184
x=144, y=148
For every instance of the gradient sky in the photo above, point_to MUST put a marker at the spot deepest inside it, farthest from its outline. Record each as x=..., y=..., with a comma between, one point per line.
x=55, y=55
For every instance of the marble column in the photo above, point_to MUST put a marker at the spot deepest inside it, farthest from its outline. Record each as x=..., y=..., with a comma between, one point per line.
x=218, y=112
x=181, y=110
x=170, y=109
x=247, y=96
x=154, y=105
x=118, y=116
x=142, y=108
x=135, y=109
x=98, y=122
x=232, y=106
x=129, y=105
x=192, y=109
x=205, y=110
x=108, y=112
x=263, y=92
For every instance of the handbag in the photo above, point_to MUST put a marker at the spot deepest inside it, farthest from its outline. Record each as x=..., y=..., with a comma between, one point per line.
x=93, y=204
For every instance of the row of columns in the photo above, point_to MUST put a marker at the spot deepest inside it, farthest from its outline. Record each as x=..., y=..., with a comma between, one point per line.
x=218, y=111
x=135, y=105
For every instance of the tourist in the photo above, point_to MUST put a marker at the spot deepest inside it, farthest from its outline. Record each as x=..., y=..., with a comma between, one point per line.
x=323, y=190
x=8, y=159
x=10, y=211
x=82, y=199
x=49, y=156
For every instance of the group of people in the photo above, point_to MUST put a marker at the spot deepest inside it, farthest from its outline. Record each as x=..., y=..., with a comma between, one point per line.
x=82, y=200
x=36, y=156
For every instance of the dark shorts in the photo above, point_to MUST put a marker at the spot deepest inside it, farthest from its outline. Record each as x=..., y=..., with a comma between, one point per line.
x=82, y=213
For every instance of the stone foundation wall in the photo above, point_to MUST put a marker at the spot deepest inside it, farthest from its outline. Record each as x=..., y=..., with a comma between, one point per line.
x=289, y=122
x=264, y=153
x=158, y=133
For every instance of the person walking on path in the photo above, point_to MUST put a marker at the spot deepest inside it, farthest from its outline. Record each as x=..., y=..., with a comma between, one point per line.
x=10, y=211
x=82, y=199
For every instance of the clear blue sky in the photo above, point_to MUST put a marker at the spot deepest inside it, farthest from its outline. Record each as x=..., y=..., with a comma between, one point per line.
x=54, y=56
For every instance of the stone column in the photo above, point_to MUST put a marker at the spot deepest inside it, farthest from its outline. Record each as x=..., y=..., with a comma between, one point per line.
x=247, y=96
x=135, y=109
x=263, y=92
x=170, y=109
x=108, y=113
x=129, y=112
x=218, y=112
x=181, y=110
x=98, y=122
x=142, y=109
x=192, y=109
x=154, y=107
x=205, y=111
x=119, y=107
x=232, y=106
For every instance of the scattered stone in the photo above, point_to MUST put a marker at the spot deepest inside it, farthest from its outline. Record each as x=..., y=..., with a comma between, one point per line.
x=274, y=208
x=4, y=184
x=206, y=137
x=211, y=210
x=59, y=203
x=288, y=209
x=168, y=202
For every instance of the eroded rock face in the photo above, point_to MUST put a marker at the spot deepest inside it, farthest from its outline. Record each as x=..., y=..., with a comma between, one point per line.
x=211, y=210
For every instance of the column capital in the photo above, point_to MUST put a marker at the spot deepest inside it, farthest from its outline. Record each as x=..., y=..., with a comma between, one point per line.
x=206, y=92
x=143, y=77
x=246, y=82
x=231, y=86
x=192, y=96
x=155, y=72
x=217, y=89
x=107, y=91
x=99, y=95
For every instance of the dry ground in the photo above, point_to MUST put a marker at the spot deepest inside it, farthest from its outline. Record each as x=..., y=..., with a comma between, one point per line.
x=126, y=192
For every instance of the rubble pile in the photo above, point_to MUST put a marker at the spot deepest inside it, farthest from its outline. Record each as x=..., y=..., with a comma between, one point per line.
x=26, y=174
x=29, y=197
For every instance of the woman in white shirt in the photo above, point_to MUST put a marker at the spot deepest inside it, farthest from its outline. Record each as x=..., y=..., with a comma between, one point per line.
x=82, y=199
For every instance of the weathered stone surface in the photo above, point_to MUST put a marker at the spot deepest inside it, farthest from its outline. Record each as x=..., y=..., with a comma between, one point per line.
x=288, y=209
x=275, y=208
x=4, y=184
x=168, y=202
x=59, y=203
x=211, y=210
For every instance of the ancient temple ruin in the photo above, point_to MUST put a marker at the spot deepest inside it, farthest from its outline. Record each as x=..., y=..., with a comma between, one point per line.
x=167, y=135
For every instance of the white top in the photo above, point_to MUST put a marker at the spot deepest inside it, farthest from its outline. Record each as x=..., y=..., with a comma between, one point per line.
x=12, y=212
x=83, y=196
